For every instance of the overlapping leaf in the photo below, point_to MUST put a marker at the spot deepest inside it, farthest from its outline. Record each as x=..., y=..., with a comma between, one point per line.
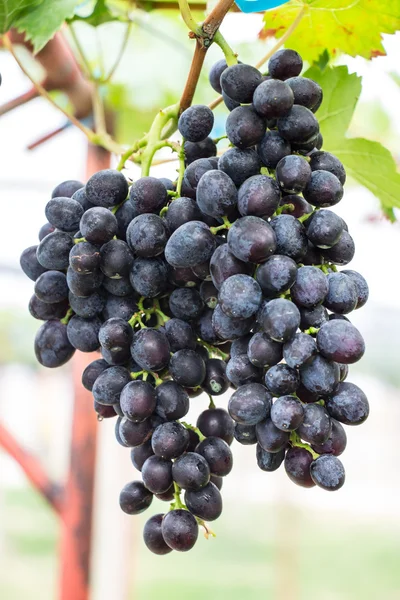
x=354, y=27
x=10, y=10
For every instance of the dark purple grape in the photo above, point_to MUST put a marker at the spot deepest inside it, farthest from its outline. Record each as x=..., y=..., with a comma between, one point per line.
x=342, y=252
x=240, y=164
x=195, y=150
x=149, y=276
x=172, y=401
x=336, y=442
x=273, y=99
x=157, y=474
x=116, y=259
x=240, y=345
x=342, y=294
x=276, y=275
x=146, y=235
x=251, y=239
x=310, y=288
x=313, y=256
x=258, y=196
x=135, y=498
x=285, y=63
x=240, y=296
x=270, y=438
x=170, y=440
x=323, y=189
x=281, y=380
x=228, y=328
x=316, y=426
x=191, y=244
x=52, y=347
x=44, y=311
x=325, y=161
x=150, y=349
x=153, y=537
x=297, y=466
x=135, y=434
x=119, y=287
x=327, y=472
x=216, y=422
x=299, y=350
x=138, y=400
x=240, y=371
x=263, y=352
x=84, y=258
x=80, y=196
x=216, y=194
x=313, y=317
x=320, y=376
x=269, y=461
x=64, y=213
x=66, y=188
x=224, y=264
x=272, y=148
x=245, y=127
x=92, y=371
x=106, y=188
x=250, y=404
x=122, y=308
x=245, y=434
x=361, y=287
x=215, y=382
x=180, y=335
x=297, y=206
x=324, y=228
x=340, y=341
x=180, y=211
x=215, y=73
x=45, y=230
x=305, y=91
x=293, y=173
x=298, y=126
x=109, y=384
x=287, y=413
x=98, y=225
x=88, y=307
x=140, y=454
x=191, y=471
x=196, y=123
x=205, y=503
x=348, y=404
x=240, y=81
x=53, y=251
x=229, y=103
x=187, y=368
x=186, y=304
x=194, y=173
x=147, y=195
x=280, y=319
x=217, y=454
x=180, y=530
x=291, y=239
x=103, y=411
x=30, y=264
x=83, y=334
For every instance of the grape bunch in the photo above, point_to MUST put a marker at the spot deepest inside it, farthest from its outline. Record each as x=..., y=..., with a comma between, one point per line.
x=226, y=278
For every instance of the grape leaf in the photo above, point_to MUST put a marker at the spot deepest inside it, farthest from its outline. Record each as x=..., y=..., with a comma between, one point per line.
x=350, y=26
x=100, y=14
x=11, y=10
x=366, y=161
x=42, y=22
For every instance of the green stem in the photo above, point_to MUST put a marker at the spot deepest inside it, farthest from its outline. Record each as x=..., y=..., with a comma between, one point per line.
x=226, y=225
x=289, y=207
x=67, y=317
x=188, y=17
x=177, y=499
x=214, y=350
x=131, y=150
x=212, y=403
x=230, y=56
x=296, y=441
x=79, y=240
x=305, y=217
x=155, y=135
x=181, y=173
x=207, y=529
x=136, y=375
x=193, y=428
x=85, y=63
x=312, y=330
x=218, y=139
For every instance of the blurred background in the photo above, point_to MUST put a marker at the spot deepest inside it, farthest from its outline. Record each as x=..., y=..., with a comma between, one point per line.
x=274, y=540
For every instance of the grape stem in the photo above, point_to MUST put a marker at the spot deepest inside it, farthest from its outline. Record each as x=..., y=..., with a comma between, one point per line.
x=214, y=350
x=230, y=56
x=212, y=403
x=67, y=317
x=155, y=135
x=208, y=532
x=312, y=330
x=289, y=207
x=177, y=504
x=226, y=225
x=296, y=441
x=193, y=428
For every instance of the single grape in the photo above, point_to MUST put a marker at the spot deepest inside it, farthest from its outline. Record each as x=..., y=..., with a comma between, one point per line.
x=135, y=434
x=327, y=472
x=224, y=264
x=361, y=287
x=280, y=319
x=104, y=412
x=240, y=296
x=157, y=474
x=67, y=188
x=281, y=380
x=306, y=92
x=245, y=434
x=172, y=401
x=150, y=349
x=122, y=308
x=241, y=371
x=273, y=99
x=194, y=173
x=170, y=440
x=348, y=404
x=84, y=258
x=196, y=123
x=270, y=438
x=191, y=244
x=287, y=413
x=323, y=189
x=98, y=225
x=276, y=275
x=342, y=294
x=325, y=161
x=215, y=382
x=44, y=311
x=316, y=426
x=285, y=63
x=216, y=422
x=183, y=277
x=64, y=213
x=269, y=461
x=228, y=328
x=109, y=384
x=146, y=235
x=258, y=196
x=298, y=126
x=216, y=193
x=118, y=287
x=135, y=498
x=240, y=81
x=147, y=195
x=340, y=341
x=240, y=164
x=297, y=466
x=273, y=148
x=92, y=371
x=336, y=442
x=299, y=350
x=310, y=288
x=205, y=503
x=324, y=228
x=138, y=400
x=195, y=150
x=293, y=173
x=52, y=347
x=153, y=537
x=30, y=264
x=342, y=252
x=229, y=103
x=45, y=229
x=187, y=368
x=83, y=333
x=245, y=127
x=313, y=317
x=217, y=454
x=116, y=259
x=180, y=335
x=53, y=251
x=215, y=73
x=80, y=196
x=251, y=239
x=149, y=276
x=263, y=352
x=290, y=234
x=191, y=471
x=140, y=454
x=89, y=307
x=180, y=530
x=250, y=404
x=106, y=188
x=313, y=256
x=320, y=376
x=180, y=211
x=51, y=287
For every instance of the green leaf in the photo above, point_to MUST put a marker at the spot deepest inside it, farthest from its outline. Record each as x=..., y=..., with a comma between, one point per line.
x=41, y=23
x=100, y=14
x=11, y=10
x=341, y=93
x=366, y=161
x=373, y=166
x=354, y=27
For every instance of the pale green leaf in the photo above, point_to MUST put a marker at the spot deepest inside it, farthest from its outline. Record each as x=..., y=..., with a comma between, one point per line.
x=350, y=26
x=41, y=23
x=10, y=10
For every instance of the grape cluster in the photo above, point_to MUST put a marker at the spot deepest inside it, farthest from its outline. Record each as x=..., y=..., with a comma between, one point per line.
x=232, y=283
